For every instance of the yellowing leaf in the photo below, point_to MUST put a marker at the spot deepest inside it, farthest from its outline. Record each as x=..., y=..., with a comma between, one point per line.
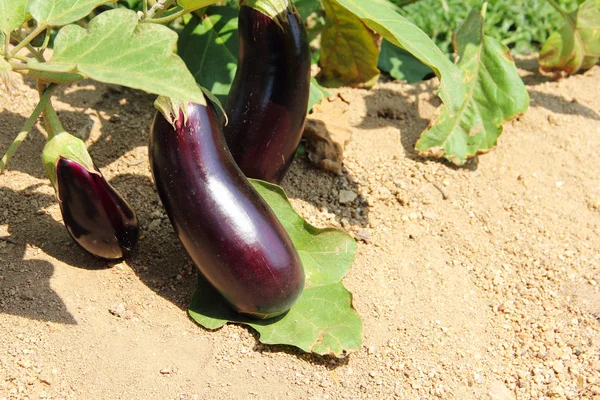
x=576, y=45
x=116, y=49
x=494, y=93
x=349, y=49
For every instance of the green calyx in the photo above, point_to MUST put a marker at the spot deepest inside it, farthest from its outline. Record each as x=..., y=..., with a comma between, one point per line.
x=67, y=146
x=171, y=108
x=273, y=9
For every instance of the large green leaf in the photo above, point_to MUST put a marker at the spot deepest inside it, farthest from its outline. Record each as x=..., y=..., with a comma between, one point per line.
x=62, y=12
x=12, y=15
x=116, y=49
x=494, y=94
x=349, y=49
x=209, y=48
x=401, y=32
x=323, y=320
x=400, y=64
x=576, y=45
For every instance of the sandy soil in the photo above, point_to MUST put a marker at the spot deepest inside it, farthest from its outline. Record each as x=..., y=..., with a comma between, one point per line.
x=474, y=282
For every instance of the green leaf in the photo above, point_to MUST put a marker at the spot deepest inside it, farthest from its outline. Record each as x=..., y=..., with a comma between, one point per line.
x=195, y=4
x=116, y=49
x=494, y=94
x=12, y=15
x=317, y=93
x=307, y=7
x=400, y=64
x=401, y=32
x=576, y=45
x=209, y=47
x=349, y=50
x=323, y=320
x=62, y=12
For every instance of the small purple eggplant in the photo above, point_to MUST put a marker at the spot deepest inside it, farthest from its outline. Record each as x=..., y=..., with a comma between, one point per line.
x=268, y=101
x=228, y=230
x=95, y=215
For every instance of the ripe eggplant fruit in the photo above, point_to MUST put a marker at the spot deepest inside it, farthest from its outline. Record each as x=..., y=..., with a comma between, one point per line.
x=228, y=230
x=95, y=215
x=268, y=101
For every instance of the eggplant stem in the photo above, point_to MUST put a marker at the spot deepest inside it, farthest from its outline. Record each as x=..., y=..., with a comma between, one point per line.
x=169, y=18
x=52, y=122
x=44, y=100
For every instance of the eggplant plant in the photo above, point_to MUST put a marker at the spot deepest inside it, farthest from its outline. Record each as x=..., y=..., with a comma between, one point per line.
x=260, y=259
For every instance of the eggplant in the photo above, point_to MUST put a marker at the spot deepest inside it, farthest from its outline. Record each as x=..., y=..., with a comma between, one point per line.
x=225, y=226
x=268, y=101
x=95, y=215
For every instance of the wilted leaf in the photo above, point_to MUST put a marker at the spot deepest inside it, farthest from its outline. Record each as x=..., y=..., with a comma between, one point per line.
x=349, y=50
x=400, y=64
x=12, y=15
x=576, y=45
x=494, y=94
x=116, y=49
x=62, y=12
x=401, y=32
x=323, y=320
x=209, y=48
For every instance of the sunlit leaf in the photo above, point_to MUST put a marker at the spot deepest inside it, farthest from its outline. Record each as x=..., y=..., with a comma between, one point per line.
x=494, y=94
x=401, y=32
x=12, y=15
x=317, y=93
x=323, y=320
x=195, y=4
x=116, y=49
x=576, y=45
x=349, y=49
x=62, y=12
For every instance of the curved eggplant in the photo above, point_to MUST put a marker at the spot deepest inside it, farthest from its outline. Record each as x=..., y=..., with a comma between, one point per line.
x=268, y=101
x=227, y=229
x=95, y=215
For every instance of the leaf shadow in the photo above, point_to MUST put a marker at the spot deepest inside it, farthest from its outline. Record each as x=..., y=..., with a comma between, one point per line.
x=561, y=105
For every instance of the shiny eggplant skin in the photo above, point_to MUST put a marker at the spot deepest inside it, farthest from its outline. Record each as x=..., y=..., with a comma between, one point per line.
x=227, y=229
x=268, y=101
x=95, y=215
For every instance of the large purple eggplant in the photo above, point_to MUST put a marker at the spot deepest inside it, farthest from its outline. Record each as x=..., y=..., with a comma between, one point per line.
x=227, y=229
x=95, y=215
x=268, y=101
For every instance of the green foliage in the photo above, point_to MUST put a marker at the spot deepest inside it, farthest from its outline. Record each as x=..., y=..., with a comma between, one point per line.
x=209, y=47
x=494, y=93
x=400, y=64
x=116, y=49
x=522, y=25
x=12, y=15
x=317, y=93
x=62, y=12
x=323, y=320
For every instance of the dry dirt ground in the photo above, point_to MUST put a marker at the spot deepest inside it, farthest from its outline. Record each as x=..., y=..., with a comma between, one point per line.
x=479, y=282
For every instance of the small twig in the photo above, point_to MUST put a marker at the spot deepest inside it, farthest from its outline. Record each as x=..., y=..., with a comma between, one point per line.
x=27, y=127
x=169, y=18
x=443, y=191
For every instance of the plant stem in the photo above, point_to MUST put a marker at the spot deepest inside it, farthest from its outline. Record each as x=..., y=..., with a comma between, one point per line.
x=558, y=8
x=169, y=18
x=145, y=7
x=44, y=100
x=165, y=7
x=41, y=28
x=53, y=125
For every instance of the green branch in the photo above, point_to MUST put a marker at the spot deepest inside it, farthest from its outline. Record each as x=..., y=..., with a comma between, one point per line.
x=168, y=18
x=41, y=28
x=44, y=100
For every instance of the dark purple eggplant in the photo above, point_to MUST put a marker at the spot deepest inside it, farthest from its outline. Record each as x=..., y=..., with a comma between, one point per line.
x=95, y=215
x=268, y=101
x=227, y=229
